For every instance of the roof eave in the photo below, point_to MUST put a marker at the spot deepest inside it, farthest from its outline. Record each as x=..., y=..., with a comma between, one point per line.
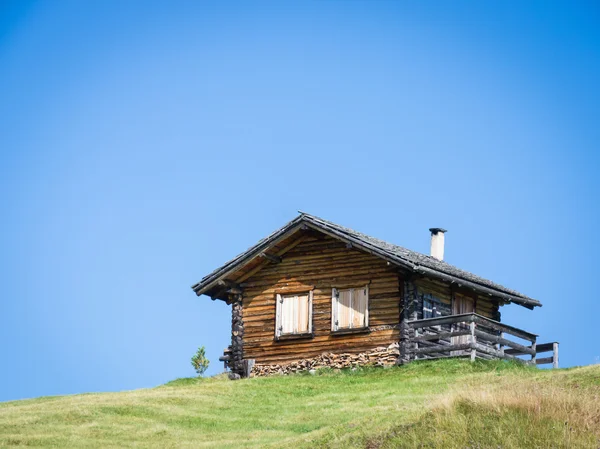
x=530, y=303
x=303, y=219
x=206, y=284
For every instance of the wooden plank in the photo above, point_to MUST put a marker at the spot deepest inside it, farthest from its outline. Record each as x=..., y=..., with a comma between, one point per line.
x=344, y=304
x=544, y=360
x=303, y=314
x=359, y=307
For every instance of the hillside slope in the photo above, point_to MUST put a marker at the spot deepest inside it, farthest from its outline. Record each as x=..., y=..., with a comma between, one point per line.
x=435, y=404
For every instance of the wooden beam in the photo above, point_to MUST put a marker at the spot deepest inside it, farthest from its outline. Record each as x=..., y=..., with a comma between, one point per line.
x=280, y=253
x=219, y=293
x=229, y=287
x=247, y=257
x=271, y=257
x=449, y=319
x=253, y=271
x=228, y=283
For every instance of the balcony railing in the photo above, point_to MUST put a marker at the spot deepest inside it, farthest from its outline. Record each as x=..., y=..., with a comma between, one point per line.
x=475, y=336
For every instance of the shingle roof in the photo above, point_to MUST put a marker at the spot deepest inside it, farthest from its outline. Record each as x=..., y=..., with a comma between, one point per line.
x=412, y=260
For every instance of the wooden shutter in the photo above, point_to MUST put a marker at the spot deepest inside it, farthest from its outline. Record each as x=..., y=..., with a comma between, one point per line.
x=344, y=308
x=278, y=311
x=310, y=309
x=293, y=314
x=334, y=309
x=359, y=307
x=367, y=306
x=302, y=317
x=288, y=314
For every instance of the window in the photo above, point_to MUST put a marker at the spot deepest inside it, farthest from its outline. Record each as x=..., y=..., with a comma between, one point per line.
x=431, y=306
x=293, y=314
x=350, y=308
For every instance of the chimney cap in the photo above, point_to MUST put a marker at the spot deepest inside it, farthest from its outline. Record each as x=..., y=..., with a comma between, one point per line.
x=436, y=230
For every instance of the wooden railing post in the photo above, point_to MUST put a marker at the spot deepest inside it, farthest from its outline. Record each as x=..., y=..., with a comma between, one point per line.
x=554, y=355
x=416, y=342
x=404, y=336
x=534, y=355
x=473, y=341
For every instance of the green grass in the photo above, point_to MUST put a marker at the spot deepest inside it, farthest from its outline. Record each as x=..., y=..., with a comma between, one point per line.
x=436, y=404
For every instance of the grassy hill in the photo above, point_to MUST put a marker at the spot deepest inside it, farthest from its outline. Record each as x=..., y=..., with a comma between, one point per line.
x=430, y=404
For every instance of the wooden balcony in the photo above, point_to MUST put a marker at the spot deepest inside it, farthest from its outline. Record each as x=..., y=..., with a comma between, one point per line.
x=475, y=336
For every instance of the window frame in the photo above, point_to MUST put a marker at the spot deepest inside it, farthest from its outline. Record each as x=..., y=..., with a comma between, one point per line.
x=335, y=311
x=433, y=301
x=279, y=297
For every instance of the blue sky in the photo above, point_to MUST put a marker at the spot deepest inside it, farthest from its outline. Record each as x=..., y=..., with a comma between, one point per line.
x=144, y=144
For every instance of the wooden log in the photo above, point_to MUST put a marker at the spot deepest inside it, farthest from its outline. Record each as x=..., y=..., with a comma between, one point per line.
x=262, y=265
x=437, y=357
x=497, y=354
x=555, y=355
x=544, y=360
x=545, y=347
x=248, y=364
x=271, y=257
x=504, y=328
x=443, y=349
x=442, y=335
x=518, y=348
x=452, y=319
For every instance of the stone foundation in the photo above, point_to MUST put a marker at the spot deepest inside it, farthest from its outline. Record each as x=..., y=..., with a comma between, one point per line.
x=382, y=356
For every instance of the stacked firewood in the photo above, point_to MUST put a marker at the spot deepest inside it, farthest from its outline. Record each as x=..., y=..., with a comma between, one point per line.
x=382, y=356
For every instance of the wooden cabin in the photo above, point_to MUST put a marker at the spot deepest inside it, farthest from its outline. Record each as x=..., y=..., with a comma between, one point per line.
x=315, y=294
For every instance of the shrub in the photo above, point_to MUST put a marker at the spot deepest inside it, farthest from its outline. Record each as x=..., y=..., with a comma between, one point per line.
x=199, y=361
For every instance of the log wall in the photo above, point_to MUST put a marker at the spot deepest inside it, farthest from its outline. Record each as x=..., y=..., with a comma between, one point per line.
x=483, y=304
x=319, y=264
